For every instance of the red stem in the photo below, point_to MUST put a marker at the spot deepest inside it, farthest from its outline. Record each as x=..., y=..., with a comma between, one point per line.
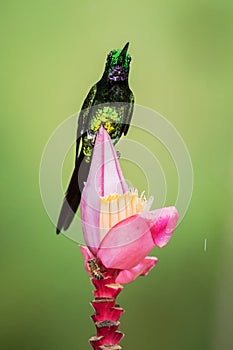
x=107, y=312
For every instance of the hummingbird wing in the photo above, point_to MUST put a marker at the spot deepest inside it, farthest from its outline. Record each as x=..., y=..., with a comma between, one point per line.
x=73, y=194
x=128, y=114
x=83, y=117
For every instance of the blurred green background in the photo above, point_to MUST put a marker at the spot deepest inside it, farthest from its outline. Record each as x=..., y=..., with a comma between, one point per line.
x=51, y=53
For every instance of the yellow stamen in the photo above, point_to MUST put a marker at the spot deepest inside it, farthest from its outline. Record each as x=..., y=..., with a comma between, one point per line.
x=117, y=207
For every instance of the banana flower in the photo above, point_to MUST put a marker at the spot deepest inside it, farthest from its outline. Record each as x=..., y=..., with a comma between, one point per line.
x=119, y=228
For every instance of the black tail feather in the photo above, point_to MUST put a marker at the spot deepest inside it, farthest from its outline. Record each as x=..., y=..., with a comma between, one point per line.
x=73, y=194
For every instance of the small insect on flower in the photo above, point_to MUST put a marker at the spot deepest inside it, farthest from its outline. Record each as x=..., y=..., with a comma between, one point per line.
x=95, y=269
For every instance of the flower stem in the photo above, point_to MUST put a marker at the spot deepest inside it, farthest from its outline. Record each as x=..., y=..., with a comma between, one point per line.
x=107, y=313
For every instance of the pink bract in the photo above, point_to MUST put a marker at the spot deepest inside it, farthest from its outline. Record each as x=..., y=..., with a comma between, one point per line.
x=105, y=177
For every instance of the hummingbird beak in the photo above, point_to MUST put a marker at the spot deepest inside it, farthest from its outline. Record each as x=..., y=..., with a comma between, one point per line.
x=124, y=51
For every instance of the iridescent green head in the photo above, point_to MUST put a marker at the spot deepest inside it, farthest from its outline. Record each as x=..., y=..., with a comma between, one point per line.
x=117, y=65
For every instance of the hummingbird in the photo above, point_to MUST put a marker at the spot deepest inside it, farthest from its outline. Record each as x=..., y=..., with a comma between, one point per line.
x=110, y=103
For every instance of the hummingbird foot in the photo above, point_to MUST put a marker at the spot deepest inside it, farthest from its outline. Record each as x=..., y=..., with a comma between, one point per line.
x=118, y=154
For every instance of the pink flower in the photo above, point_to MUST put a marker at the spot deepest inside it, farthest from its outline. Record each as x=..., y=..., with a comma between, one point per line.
x=118, y=227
